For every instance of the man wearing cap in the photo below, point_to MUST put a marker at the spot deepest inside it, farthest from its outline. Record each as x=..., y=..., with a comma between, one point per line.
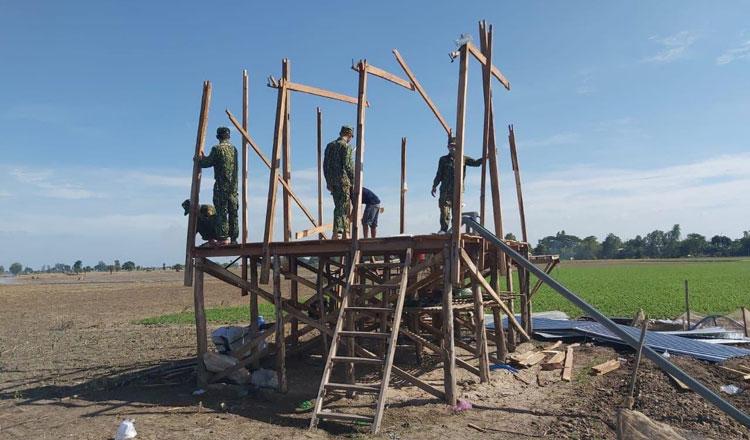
x=444, y=178
x=371, y=212
x=206, y=224
x=338, y=168
x=223, y=158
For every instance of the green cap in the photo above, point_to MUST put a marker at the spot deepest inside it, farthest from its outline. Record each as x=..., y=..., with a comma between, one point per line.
x=222, y=133
x=345, y=129
x=451, y=142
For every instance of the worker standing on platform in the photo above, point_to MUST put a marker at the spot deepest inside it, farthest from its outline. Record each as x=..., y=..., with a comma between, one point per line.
x=371, y=212
x=338, y=168
x=444, y=178
x=223, y=158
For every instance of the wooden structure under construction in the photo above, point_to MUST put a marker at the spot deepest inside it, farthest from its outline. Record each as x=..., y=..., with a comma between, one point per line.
x=367, y=294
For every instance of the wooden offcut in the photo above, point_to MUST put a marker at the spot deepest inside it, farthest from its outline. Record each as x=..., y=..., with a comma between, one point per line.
x=606, y=367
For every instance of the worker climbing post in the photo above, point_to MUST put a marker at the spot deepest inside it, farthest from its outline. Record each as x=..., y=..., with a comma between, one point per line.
x=223, y=159
x=338, y=168
x=444, y=178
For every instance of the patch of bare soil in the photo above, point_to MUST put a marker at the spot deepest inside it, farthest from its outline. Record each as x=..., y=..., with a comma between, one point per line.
x=72, y=365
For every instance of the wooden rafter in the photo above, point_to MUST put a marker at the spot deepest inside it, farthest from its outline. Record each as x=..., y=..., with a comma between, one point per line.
x=483, y=60
x=317, y=91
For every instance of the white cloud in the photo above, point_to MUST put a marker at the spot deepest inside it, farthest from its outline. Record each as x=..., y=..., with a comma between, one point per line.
x=737, y=53
x=674, y=47
x=555, y=139
x=45, y=184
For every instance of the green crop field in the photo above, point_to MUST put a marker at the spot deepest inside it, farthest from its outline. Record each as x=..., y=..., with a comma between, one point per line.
x=620, y=287
x=616, y=287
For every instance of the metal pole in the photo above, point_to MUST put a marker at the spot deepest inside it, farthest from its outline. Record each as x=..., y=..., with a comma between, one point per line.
x=630, y=400
x=655, y=357
x=687, y=306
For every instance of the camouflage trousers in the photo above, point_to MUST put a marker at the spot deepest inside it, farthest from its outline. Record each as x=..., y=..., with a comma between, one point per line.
x=341, y=207
x=445, y=204
x=227, y=224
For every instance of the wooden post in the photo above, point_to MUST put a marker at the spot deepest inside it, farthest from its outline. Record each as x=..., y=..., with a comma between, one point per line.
x=320, y=172
x=631, y=389
x=517, y=172
x=286, y=157
x=448, y=346
x=280, y=340
x=509, y=283
x=358, y=171
x=487, y=88
x=458, y=167
x=500, y=345
x=273, y=182
x=294, y=294
x=322, y=302
x=200, y=325
x=245, y=100
x=254, y=313
x=480, y=331
x=195, y=184
x=687, y=305
x=402, y=212
x=746, y=320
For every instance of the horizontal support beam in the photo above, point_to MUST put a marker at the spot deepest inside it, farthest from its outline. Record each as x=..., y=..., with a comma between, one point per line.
x=317, y=91
x=483, y=60
x=388, y=76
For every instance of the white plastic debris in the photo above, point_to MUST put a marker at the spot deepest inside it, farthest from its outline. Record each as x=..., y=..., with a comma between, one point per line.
x=730, y=389
x=666, y=355
x=126, y=430
x=263, y=378
x=198, y=392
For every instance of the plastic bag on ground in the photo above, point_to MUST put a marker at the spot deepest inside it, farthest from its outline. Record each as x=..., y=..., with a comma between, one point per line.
x=126, y=430
x=216, y=362
x=263, y=378
x=730, y=389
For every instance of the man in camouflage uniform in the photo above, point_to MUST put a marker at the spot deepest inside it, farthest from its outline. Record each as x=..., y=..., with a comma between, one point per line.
x=206, y=224
x=223, y=158
x=338, y=168
x=444, y=178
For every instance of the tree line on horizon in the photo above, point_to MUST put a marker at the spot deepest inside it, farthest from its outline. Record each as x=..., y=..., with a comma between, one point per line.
x=78, y=267
x=655, y=244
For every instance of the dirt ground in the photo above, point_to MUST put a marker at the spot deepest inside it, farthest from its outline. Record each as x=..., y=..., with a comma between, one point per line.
x=72, y=365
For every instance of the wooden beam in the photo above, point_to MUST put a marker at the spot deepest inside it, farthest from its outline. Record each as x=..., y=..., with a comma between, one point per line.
x=280, y=339
x=475, y=275
x=404, y=188
x=360, y=153
x=286, y=153
x=273, y=178
x=483, y=60
x=311, y=231
x=254, y=313
x=449, y=349
x=200, y=323
x=422, y=91
x=487, y=90
x=245, y=99
x=386, y=76
x=265, y=160
x=458, y=166
x=517, y=173
x=195, y=183
x=480, y=333
x=437, y=350
x=296, y=87
x=320, y=171
x=568, y=368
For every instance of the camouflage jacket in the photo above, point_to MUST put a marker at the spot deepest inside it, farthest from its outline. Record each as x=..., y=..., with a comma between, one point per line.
x=338, y=166
x=223, y=158
x=444, y=175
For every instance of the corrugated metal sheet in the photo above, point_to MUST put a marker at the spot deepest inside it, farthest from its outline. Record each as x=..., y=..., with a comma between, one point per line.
x=657, y=341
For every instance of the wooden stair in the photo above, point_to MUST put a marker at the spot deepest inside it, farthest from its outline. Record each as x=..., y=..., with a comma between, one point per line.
x=348, y=337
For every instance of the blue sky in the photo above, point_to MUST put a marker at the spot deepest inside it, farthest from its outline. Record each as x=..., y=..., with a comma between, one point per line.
x=629, y=116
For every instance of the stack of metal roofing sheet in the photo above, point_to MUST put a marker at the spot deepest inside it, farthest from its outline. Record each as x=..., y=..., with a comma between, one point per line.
x=658, y=341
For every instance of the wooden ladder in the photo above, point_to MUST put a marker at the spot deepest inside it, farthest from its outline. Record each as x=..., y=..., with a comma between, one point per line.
x=357, y=354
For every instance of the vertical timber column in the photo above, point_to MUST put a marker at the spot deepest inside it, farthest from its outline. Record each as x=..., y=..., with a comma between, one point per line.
x=280, y=340
x=517, y=173
x=200, y=324
x=320, y=173
x=487, y=84
x=254, y=301
x=480, y=330
x=404, y=188
x=195, y=185
x=286, y=157
x=527, y=293
x=509, y=282
x=458, y=167
x=273, y=182
x=245, y=100
x=322, y=302
x=448, y=346
x=358, y=165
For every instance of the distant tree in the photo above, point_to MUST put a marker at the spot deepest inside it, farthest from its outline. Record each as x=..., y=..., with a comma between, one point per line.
x=178, y=267
x=654, y=244
x=16, y=268
x=672, y=242
x=587, y=249
x=721, y=246
x=101, y=266
x=27, y=270
x=693, y=245
x=561, y=244
x=163, y=266
x=2, y=269
x=88, y=269
x=128, y=265
x=117, y=265
x=78, y=266
x=510, y=236
x=610, y=247
x=633, y=248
